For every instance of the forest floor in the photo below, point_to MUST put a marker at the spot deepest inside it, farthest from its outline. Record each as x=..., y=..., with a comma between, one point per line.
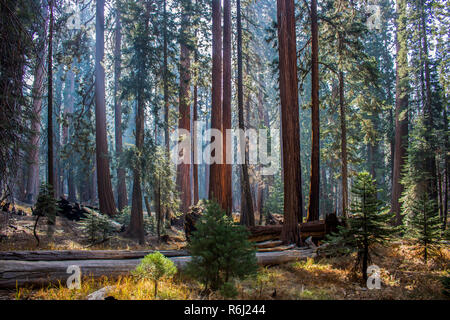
x=403, y=274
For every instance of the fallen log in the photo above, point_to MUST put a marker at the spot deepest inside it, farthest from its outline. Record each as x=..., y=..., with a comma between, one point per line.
x=61, y=255
x=264, y=233
x=279, y=248
x=316, y=230
x=18, y=273
x=268, y=244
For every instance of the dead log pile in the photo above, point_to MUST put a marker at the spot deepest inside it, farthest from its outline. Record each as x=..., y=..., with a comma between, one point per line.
x=315, y=229
x=72, y=211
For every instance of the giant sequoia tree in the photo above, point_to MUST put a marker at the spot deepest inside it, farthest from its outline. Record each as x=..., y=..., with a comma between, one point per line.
x=216, y=186
x=184, y=169
x=226, y=106
x=122, y=199
x=105, y=193
x=289, y=120
x=313, y=209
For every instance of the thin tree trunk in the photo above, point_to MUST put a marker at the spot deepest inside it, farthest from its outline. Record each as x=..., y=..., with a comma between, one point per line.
x=38, y=90
x=122, y=199
x=105, y=193
x=69, y=109
x=431, y=158
x=313, y=208
x=195, y=133
x=401, y=112
x=446, y=170
x=343, y=114
x=51, y=176
x=289, y=120
x=165, y=85
x=136, y=227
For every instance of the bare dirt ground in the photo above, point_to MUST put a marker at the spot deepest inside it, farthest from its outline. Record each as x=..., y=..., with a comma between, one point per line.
x=16, y=233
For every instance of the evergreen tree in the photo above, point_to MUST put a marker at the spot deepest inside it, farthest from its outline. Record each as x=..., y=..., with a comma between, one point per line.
x=367, y=224
x=424, y=224
x=220, y=250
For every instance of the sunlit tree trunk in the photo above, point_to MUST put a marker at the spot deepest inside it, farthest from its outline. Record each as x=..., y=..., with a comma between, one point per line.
x=195, y=141
x=226, y=109
x=184, y=169
x=216, y=184
x=289, y=120
x=105, y=193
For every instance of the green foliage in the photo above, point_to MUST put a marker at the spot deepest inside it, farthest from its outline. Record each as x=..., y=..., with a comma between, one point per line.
x=124, y=219
x=424, y=224
x=228, y=290
x=157, y=174
x=46, y=204
x=159, y=179
x=275, y=200
x=155, y=267
x=416, y=176
x=96, y=227
x=445, y=280
x=220, y=250
x=446, y=234
x=367, y=225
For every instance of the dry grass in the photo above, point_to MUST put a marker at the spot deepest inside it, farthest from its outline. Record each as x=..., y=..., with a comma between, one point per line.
x=403, y=275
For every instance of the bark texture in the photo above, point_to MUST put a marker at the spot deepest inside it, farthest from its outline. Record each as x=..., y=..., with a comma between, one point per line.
x=105, y=193
x=289, y=120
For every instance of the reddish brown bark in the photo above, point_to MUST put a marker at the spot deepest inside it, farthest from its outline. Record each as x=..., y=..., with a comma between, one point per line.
x=184, y=169
x=226, y=109
x=122, y=199
x=289, y=120
x=50, y=170
x=194, y=131
x=216, y=184
x=105, y=194
x=313, y=208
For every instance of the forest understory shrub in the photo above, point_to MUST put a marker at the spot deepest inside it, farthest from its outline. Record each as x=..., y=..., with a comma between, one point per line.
x=220, y=250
